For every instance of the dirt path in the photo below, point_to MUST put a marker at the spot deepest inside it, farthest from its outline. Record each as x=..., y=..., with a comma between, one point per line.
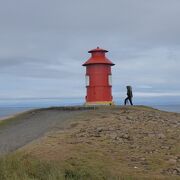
x=26, y=127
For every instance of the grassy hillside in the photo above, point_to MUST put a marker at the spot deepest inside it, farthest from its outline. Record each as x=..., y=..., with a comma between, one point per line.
x=106, y=143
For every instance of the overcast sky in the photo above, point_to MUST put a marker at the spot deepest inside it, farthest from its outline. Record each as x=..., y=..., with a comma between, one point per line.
x=43, y=44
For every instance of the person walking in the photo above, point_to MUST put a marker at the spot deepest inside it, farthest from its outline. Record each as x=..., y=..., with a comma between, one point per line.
x=129, y=95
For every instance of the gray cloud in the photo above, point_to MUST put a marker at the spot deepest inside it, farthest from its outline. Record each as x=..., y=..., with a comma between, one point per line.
x=44, y=43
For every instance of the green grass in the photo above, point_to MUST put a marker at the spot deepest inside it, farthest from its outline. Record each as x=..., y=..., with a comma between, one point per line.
x=8, y=121
x=24, y=167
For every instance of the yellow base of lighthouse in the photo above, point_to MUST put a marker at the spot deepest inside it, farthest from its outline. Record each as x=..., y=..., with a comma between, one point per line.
x=100, y=103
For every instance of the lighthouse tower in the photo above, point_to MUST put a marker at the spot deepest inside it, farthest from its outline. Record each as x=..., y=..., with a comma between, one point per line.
x=98, y=78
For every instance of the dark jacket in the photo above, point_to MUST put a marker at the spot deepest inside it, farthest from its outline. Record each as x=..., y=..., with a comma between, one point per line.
x=129, y=91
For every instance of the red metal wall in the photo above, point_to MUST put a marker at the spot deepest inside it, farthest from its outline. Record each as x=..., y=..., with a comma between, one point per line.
x=99, y=88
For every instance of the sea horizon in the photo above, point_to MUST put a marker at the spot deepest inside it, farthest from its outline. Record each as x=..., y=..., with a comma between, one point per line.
x=9, y=107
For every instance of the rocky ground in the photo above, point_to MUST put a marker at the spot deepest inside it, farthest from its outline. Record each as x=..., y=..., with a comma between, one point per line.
x=135, y=141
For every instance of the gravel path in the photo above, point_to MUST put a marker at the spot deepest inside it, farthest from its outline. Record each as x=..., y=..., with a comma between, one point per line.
x=29, y=126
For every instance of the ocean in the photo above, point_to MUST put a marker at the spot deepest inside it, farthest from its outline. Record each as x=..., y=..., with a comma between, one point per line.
x=169, y=108
x=9, y=111
x=11, y=107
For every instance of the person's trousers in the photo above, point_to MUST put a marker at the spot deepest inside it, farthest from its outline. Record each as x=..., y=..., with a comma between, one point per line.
x=130, y=100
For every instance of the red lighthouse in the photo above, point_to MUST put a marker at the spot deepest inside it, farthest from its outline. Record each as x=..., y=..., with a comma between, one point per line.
x=98, y=78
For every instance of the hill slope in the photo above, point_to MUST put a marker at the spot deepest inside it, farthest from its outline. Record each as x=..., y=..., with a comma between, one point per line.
x=116, y=142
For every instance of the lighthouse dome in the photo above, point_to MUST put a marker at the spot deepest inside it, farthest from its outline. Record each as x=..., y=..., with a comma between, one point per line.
x=98, y=57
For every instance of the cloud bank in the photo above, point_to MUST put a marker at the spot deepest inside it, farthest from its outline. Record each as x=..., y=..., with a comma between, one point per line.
x=44, y=43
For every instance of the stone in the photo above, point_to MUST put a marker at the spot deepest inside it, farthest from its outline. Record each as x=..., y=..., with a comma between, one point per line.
x=97, y=135
x=129, y=117
x=151, y=135
x=161, y=136
x=174, y=172
x=143, y=159
x=120, y=140
x=125, y=136
x=172, y=161
x=178, y=169
x=114, y=136
x=111, y=129
x=165, y=147
x=99, y=129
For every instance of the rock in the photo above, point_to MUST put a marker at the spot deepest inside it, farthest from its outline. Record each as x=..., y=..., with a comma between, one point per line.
x=172, y=171
x=151, y=116
x=99, y=129
x=120, y=141
x=82, y=130
x=165, y=147
x=161, y=136
x=97, y=135
x=172, y=161
x=126, y=136
x=178, y=158
x=130, y=118
x=143, y=159
x=81, y=135
x=178, y=169
x=114, y=136
x=175, y=171
x=134, y=146
x=151, y=135
x=148, y=151
x=111, y=129
x=134, y=159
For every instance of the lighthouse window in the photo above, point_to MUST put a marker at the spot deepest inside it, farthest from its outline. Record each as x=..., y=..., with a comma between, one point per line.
x=87, y=80
x=110, y=80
